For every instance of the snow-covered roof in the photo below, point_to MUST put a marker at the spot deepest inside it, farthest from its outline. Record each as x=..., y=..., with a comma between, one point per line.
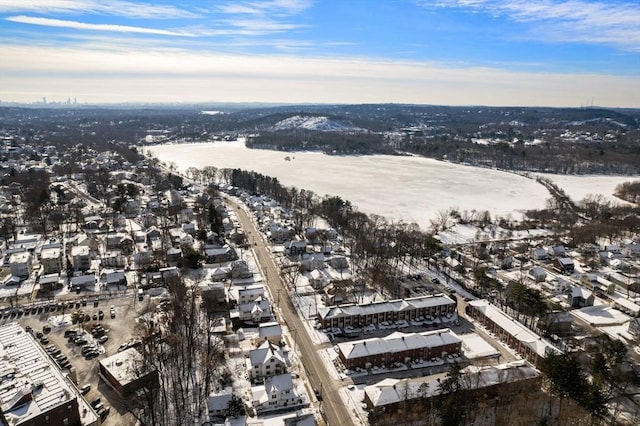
x=264, y=353
x=398, y=342
x=26, y=369
x=375, y=308
x=391, y=391
x=514, y=328
x=126, y=366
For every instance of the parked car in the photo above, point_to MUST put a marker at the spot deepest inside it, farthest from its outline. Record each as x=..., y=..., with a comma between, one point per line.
x=100, y=315
x=112, y=311
x=104, y=412
x=46, y=329
x=95, y=402
x=103, y=339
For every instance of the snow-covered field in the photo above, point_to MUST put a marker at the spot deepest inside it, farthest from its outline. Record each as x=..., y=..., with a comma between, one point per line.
x=412, y=189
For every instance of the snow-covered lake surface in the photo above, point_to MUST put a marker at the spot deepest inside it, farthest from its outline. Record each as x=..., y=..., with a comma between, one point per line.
x=412, y=189
x=579, y=186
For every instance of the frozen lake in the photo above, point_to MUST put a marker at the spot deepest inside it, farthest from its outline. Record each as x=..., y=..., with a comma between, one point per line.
x=412, y=189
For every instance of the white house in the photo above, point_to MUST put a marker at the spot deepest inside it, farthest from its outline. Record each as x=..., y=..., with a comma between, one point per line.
x=217, y=404
x=250, y=293
x=265, y=361
x=21, y=264
x=255, y=312
x=51, y=260
x=80, y=258
x=277, y=393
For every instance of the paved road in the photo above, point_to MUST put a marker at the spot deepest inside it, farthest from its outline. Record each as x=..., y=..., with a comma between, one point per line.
x=336, y=413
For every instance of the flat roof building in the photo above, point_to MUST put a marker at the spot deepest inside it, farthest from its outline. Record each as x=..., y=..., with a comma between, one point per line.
x=126, y=372
x=33, y=390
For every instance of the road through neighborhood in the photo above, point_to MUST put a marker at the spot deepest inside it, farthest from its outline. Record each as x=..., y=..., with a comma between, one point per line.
x=336, y=413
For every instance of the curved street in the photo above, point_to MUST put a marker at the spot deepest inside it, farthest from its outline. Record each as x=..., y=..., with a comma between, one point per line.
x=335, y=412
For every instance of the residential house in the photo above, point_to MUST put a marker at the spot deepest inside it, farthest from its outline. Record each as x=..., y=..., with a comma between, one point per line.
x=189, y=228
x=83, y=282
x=312, y=261
x=218, y=404
x=540, y=254
x=538, y=274
x=220, y=254
x=559, y=251
x=221, y=273
x=335, y=293
x=254, y=312
x=265, y=361
x=169, y=274
x=271, y=331
x=113, y=277
x=317, y=279
x=564, y=265
x=250, y=293
x=174, y=254
x=632, y=250
x=214, y=291
x=277, y=393
x=21, y=264
x=94, y=224
x=51, y=260
x=80, y=258
x=295, y=248
x=240, y=269
x=49, y=283
x=558, y=323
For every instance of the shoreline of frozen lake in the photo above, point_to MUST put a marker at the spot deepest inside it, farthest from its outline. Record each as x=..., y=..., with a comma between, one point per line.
x=408, y=188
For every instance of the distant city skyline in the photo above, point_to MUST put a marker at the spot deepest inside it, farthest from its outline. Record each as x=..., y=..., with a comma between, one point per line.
x=450, y=52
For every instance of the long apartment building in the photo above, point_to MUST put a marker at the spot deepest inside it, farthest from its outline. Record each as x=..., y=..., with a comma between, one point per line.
x=398, y=347
x=409, y=309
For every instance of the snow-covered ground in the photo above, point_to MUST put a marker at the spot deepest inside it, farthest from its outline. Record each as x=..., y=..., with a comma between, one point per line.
x=322, y=124
x=579, y=186
x=413, y=189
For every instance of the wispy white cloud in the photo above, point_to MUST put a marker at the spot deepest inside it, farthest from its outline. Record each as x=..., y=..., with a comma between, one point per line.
x=111, y=7
x=59, y=23
x=272, y=7
x=566, y=21
x=263, y=17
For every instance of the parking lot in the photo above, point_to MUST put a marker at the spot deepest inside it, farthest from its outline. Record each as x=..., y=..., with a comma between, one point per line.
x=50, y=325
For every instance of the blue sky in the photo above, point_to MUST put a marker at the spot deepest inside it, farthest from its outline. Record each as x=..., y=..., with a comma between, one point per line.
x=512, y=52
